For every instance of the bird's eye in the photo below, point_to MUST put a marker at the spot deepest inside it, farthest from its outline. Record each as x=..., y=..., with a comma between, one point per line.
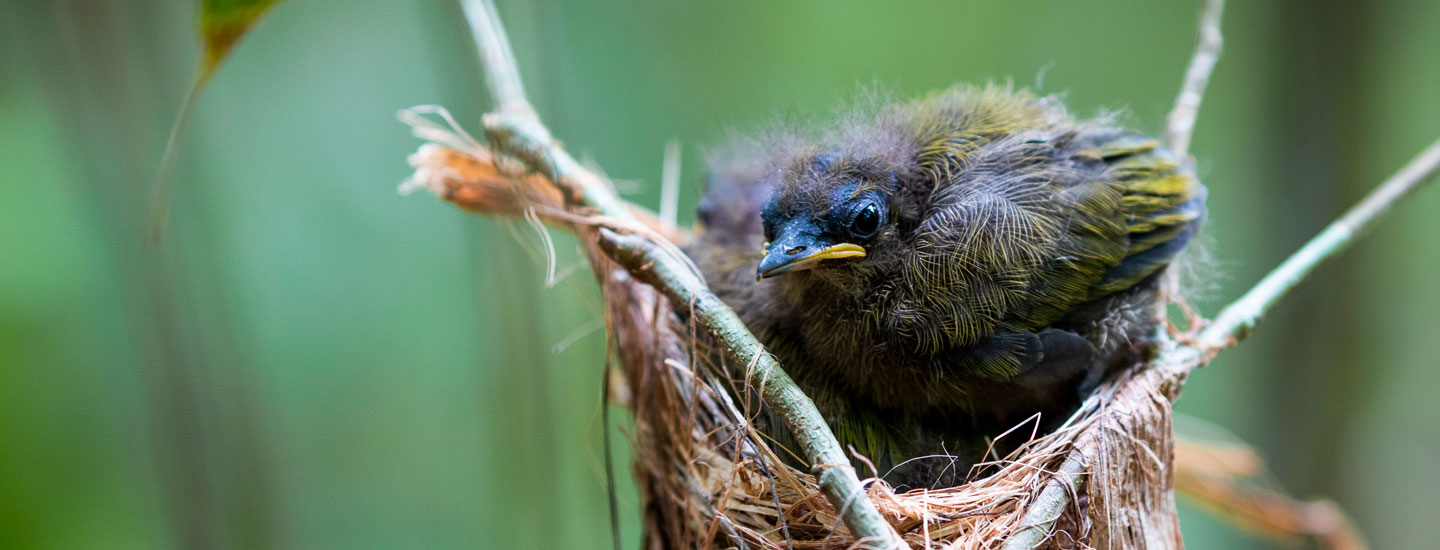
x=866, y=222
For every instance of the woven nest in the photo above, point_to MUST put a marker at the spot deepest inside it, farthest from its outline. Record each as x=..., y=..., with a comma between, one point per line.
x=709, y=480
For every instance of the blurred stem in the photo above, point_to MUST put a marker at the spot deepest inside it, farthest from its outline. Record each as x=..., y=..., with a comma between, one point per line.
x=165, y=181
x=502, y=74
x=1181, y=122
x=516, y=130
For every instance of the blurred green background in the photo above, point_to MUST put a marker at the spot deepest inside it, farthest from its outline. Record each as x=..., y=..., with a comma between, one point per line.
x=313, y=361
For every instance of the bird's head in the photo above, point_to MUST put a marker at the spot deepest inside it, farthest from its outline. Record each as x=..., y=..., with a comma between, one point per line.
x=834, y=214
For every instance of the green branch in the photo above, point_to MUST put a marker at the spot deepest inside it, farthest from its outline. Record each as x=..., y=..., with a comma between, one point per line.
x=516, y=130
x=1238, y=319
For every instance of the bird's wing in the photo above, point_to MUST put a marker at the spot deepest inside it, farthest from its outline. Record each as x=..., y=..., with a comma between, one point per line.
x=1034, y=227
x=1164, y=205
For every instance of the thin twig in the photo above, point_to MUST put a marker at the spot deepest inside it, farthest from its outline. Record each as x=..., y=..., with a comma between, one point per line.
x=610, y=492
x=501, y=70
x=1181, y=123
x=670, y=186
x=516, y=130
x=1176, y=361
x=1239, y=318
x=1042, y=514
x=652, y=265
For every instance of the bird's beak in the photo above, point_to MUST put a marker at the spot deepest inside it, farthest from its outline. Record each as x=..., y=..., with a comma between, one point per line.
x=802, y=252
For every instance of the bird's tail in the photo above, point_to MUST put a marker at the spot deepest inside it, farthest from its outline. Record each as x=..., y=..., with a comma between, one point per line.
x=1166, y=202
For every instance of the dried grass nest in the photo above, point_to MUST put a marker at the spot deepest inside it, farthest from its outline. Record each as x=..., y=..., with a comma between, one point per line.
x=709, y=480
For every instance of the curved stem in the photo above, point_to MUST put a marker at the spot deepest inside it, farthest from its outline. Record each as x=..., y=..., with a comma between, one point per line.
x=1238, y=319
x=501, y=71
x=516, y=130
x=1181, y=122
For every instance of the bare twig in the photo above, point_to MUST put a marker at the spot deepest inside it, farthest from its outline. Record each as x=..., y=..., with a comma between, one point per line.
x=670, y=186
x=501, y=71
x=1181, y=123
x=514, y=129
x=1239, y=318
x=1056, y=494
x=1177, y=361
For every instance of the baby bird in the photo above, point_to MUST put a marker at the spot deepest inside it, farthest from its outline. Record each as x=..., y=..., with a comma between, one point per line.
x=936, y=272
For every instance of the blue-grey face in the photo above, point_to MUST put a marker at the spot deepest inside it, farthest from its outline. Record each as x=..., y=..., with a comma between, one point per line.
x=800, y=234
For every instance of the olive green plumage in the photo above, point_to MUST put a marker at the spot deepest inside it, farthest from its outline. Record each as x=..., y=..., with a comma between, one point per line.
x=938, y=271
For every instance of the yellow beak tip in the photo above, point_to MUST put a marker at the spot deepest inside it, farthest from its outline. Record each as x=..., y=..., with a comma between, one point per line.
x=837, y=252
